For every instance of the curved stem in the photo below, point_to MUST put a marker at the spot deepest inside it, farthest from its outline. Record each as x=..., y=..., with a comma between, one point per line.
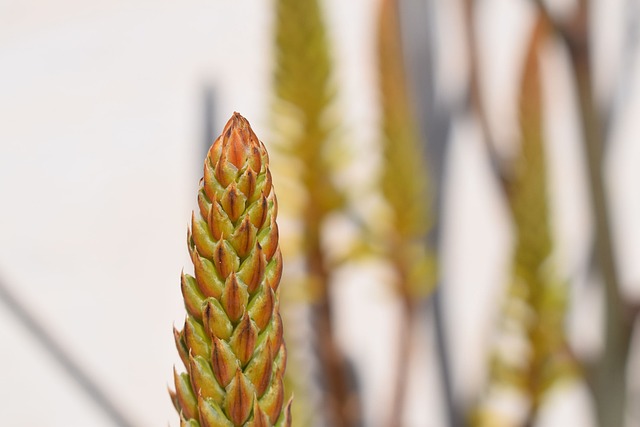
x=404, y=348
x=476, y=102
x=342, y=406
x=608, y=375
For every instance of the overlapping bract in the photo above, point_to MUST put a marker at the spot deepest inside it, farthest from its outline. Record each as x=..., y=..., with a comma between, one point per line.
x=232, y=341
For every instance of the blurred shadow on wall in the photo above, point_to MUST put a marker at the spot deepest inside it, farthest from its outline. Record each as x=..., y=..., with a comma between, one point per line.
x=67, y=361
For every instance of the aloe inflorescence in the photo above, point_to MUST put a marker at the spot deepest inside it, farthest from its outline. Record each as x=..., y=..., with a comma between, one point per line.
x=232, y=342
x=536, y=305
x=305, y=136
x=406, y=190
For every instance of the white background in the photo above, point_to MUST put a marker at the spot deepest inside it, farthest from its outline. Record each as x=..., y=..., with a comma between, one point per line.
x=100, y=144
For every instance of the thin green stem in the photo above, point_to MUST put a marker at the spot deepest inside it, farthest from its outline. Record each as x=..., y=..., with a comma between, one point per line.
x=607, y=375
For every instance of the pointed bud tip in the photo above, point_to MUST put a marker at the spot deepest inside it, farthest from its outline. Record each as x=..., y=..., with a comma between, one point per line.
x=238, y=120
x=238, y=140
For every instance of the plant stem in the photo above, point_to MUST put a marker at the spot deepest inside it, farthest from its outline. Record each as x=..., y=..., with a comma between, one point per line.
x=405, y=332
x=476, y=103
x=607, y=375
x=341, y=402
x=454, y=412
x=418, y=19
x=406, y=188
x=610, y=374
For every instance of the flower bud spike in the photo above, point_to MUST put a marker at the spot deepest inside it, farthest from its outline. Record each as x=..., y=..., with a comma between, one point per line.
x=231, y=343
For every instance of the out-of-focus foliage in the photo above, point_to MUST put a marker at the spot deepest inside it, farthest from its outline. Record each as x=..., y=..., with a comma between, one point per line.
x=308, y=153
x=532, y=353
x=305, y=125
x=404, y=178
x=404, y=185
